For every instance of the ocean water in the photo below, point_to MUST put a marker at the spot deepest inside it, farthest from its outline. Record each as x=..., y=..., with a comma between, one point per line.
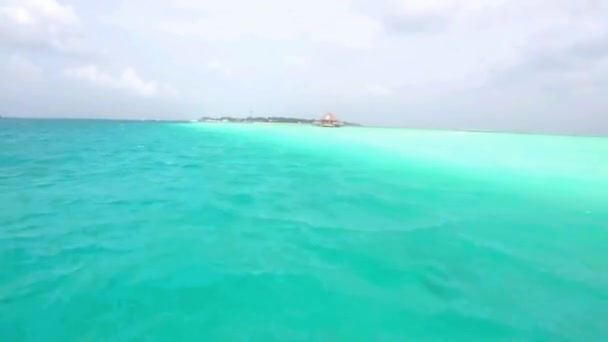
x=126, y=231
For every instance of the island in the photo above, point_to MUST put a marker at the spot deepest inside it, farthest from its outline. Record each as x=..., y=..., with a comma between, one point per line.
x=268, y=119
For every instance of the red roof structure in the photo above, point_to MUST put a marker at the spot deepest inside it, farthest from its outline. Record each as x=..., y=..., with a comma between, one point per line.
x=329, y=119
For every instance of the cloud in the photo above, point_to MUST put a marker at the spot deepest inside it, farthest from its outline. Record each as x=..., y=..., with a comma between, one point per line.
x=38, y=12
x=380, y=90
x=129, y=80
x=448, y=6
x=41, y=24
x=219, y=68
x=18, y=15
x=431, y=16
x=296, y=60
x=408, y=24
x=333, y=22
x=579, y=67
x=24, y=67
x=443, y=62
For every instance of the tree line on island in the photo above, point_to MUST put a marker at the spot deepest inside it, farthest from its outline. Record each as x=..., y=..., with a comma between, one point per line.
x=267, y=119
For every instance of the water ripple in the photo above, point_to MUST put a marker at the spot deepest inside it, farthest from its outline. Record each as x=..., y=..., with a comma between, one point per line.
x=122, y=231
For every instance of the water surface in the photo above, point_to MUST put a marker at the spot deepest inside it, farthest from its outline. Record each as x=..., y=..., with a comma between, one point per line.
x=116, y=230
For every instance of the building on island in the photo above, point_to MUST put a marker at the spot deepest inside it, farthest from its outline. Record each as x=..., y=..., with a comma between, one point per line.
x=329, y=120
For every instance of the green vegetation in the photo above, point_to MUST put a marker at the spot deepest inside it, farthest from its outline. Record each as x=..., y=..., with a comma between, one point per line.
x=274, y=119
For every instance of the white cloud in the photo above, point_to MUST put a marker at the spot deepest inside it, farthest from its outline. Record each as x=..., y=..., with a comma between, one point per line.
x=297, y=60
x=18, y=15
x=277, y=55
x=380, y=90
x=30, y=12
x=320, y=21
x=443, y=6
x=38, y=23
x=219, y=68
x=24, y=67
x=128, y=80
x=472, y=39
x=132, y=81
x=92, y=74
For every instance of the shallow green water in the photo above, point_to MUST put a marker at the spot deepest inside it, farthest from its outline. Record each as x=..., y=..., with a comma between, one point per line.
x=169, y=231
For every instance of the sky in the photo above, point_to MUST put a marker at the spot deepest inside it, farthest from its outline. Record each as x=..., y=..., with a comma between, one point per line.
x=534, y=65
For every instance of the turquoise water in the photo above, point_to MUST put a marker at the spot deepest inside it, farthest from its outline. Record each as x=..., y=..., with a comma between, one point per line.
x=114, y=231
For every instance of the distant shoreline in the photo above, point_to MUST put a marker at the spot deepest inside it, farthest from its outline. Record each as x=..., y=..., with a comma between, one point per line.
x=423, y=128
x=269, y=119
